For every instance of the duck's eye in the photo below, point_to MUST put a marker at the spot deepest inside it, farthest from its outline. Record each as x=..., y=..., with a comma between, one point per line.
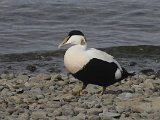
x=82, y=41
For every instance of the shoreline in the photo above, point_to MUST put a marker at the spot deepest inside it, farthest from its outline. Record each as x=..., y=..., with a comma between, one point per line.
x=133, y=58
x=49, y=96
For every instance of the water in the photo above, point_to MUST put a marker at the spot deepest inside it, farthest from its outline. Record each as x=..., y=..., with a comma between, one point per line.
x=30, y=31
x=39, y=25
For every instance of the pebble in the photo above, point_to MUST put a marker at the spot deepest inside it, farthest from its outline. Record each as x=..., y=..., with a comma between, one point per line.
x=49, y=97
x=40, y=96
x=148, y=84
x=38, y=115
x=107, y=115
x=22, y=78
x=24, y=116
x=78, y=110
x=57, y=112
x=94, y=117
x=43, y=77
x=125, y=96
x=94, y=111
x=81, y=116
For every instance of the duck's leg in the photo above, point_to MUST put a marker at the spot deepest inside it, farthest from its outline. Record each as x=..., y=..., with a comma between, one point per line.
x=81, y=91
x=101, y=92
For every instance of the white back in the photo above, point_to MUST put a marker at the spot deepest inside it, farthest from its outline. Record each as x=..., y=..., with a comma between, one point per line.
x=94, y=53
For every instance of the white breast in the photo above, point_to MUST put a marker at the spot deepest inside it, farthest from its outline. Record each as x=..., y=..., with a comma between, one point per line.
x=75, y=58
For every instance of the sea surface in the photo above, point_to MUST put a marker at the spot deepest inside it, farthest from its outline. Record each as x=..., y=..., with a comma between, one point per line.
x=31, y=28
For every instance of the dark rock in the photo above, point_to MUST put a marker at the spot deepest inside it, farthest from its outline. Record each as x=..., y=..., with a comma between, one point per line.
x=31, y=67
x=158, y=74
x=132, y=63
x=148, y=72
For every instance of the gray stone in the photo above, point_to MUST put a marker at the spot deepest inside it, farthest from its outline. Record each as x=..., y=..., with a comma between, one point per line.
x=4, y=76
x=61, y=118
x=68, y=97
x=26, y=84
x=22, y=79
x=94, y=117
x=148, y=84
x=137, y=88
x=81, y=116
x=152, y=77
x=94, y=111
x=61, y=83
x=40, y=96
x=1, y=88
x=19, y=91
x=109, y=115
x=52, y=87
x=125, y=96
x=57, y=112
x=43, y=77
x=38, y=115
x=67, y=110
x=23, y=116
x=78, y=110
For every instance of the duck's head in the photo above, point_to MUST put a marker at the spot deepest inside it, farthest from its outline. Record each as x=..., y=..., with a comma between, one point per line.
x=75, y=37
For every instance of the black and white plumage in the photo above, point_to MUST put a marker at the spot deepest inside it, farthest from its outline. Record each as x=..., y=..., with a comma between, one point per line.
x=89, y=65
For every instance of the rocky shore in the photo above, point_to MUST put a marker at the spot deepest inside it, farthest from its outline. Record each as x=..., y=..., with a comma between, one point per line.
x=49, y=97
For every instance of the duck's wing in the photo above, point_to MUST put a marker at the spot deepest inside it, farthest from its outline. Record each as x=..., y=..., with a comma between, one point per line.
x=94, y=53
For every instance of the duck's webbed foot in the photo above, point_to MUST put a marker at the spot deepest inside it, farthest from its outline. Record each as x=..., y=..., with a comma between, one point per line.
x=80, y=92
x=101, y=92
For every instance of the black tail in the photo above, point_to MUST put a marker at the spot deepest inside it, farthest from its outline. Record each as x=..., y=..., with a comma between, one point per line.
x=125, y=74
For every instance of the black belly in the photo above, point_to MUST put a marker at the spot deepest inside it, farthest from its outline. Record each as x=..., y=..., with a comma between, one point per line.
x=98, y=72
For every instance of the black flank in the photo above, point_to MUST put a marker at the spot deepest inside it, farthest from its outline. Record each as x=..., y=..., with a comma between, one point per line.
x=99, y=72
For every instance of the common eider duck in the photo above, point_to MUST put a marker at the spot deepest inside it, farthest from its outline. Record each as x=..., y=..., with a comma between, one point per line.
x=90, y=65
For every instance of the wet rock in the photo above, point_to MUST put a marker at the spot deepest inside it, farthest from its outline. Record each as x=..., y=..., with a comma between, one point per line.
x=158, y=74
x=31, y=67
x=148, y=72
x=132, y=64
